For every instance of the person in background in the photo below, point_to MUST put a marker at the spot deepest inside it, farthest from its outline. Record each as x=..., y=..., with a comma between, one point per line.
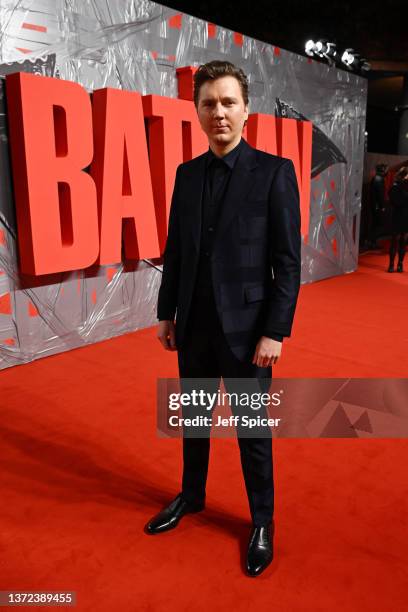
x=377, y=202
x=398, y=197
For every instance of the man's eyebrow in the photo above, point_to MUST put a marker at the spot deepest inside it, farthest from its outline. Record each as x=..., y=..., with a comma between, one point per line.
x=230, y=98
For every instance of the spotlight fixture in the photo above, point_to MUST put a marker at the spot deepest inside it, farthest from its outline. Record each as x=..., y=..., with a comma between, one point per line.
x=365, y=66
x=349, y=57
x=322, y=48
x=354, y=61
x=327, y=50
x=330, y=51
x=309, y=47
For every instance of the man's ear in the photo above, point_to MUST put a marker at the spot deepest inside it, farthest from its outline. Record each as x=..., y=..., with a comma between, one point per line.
x=247, y=115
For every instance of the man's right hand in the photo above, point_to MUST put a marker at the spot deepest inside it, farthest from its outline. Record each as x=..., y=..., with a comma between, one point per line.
x=167, y=335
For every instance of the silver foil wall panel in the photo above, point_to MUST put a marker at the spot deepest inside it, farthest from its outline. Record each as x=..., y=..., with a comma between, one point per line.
x=137, y=45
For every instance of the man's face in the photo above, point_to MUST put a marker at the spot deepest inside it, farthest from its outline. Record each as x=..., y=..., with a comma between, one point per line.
x=221, y=110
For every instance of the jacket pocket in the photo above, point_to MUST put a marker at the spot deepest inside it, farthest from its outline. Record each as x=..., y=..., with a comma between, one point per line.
x=254, y=208
x=254, y=294
x=251, y=227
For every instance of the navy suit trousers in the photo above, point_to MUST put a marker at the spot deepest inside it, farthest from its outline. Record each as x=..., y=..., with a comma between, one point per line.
x=206, y=354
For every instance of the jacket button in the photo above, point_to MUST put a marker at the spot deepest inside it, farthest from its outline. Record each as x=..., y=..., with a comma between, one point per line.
x=210, y=229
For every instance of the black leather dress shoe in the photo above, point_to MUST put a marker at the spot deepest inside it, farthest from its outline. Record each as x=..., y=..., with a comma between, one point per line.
x=260, y=549
x=169, y=517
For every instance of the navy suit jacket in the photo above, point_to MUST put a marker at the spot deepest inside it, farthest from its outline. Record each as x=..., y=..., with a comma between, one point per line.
x=256, y=258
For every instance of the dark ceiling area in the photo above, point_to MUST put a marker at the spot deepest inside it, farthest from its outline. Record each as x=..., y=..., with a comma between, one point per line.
x=378, y=31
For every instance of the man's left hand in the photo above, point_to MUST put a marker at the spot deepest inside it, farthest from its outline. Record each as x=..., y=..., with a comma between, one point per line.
x=267, y=352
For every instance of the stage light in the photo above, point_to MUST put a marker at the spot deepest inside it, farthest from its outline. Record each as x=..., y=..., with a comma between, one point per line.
x=365, y=66
x=309, y=47
x=354, y=61
x=321, y=48
x=348, y=57
x=328, y=50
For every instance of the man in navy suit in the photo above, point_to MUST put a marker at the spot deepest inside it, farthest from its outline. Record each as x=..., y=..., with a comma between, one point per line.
x=231, y=277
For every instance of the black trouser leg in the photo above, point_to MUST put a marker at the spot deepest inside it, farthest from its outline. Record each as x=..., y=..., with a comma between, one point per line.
x=195, y=468
x=255, y=451
x=393, y=249
x=257, y=467
x=196, y=361
x=401, y=247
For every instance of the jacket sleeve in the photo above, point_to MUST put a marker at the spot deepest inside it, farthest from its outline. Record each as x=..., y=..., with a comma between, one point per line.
x=284, y=250
x=167, y=298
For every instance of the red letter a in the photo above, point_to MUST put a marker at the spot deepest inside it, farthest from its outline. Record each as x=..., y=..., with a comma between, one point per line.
x=122, y=176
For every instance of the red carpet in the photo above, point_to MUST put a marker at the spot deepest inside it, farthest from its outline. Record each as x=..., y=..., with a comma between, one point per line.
x=83, y=470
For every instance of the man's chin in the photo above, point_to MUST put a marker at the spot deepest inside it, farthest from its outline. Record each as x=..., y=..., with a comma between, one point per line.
x=222, y=138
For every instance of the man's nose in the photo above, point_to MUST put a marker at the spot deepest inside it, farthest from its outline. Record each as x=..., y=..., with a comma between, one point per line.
x=219, y=110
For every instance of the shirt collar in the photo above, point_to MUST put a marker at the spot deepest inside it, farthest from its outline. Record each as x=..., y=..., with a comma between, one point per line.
x=229, y=159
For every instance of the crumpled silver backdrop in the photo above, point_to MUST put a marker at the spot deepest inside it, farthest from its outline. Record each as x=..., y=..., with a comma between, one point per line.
x=137, y=44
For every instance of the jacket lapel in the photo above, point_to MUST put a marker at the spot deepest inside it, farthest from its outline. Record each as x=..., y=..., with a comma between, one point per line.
x=193, y=194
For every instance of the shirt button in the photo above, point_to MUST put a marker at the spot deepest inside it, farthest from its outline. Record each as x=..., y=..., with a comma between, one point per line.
x=210, y=229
